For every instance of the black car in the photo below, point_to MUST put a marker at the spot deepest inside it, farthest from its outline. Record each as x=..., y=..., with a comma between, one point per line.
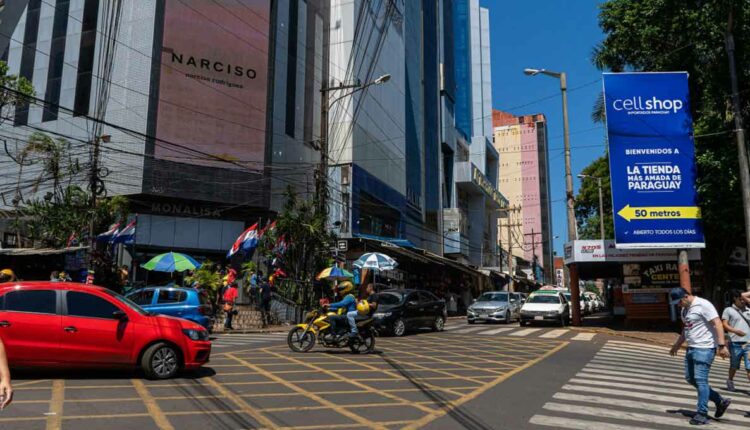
x=402, y=310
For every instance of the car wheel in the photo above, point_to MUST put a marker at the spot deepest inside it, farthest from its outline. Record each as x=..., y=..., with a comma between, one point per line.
x=439, y=324
x=470, y=321
x=523, y=323
x=160, y=361
x=399, y=328
x=507, y=317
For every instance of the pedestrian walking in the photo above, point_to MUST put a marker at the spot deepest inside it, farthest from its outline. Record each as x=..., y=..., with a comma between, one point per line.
x=265, y=303
x=6, y=390
x=736, y=320
x=704, y=333
x=229, y=298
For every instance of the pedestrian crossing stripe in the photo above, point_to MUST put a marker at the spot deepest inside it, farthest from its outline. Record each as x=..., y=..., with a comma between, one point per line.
x=628, y=386
x=519, y=332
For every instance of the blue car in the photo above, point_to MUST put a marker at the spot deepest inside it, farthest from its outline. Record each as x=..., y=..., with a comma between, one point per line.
x=184, y=303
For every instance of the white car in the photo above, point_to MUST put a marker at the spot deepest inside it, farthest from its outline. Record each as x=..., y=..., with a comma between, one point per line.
x=545, y=305
x=581, y=304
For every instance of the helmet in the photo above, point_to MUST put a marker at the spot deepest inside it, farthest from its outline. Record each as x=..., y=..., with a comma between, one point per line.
x=363, y=307
x=7, y=275
x=345, y=287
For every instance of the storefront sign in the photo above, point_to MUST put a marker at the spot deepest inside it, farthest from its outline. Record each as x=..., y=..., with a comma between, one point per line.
x=185, y=209
x=652, y=161
x=482, y=182
x=597, y=251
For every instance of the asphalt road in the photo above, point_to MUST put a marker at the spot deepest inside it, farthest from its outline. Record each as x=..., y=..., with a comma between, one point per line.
x=473, y=377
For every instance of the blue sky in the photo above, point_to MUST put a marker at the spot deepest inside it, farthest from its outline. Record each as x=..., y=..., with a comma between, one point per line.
x=559, y=36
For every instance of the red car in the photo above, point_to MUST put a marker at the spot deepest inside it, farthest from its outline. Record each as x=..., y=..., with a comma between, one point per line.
x=62, y=324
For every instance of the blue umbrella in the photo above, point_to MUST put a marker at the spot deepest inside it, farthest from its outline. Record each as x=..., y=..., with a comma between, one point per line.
x=376, y=261
x=171, y=262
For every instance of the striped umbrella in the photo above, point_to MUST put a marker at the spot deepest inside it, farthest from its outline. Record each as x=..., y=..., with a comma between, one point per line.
x=171, y=262
x=334, y=273
x=376, y=261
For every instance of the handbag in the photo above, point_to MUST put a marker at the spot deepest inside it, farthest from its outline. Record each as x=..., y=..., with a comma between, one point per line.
x=228, y=307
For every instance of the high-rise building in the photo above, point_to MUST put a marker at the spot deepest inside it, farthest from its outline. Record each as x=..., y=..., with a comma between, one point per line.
x=524, y=180
x=412, y=159
x=198, y=101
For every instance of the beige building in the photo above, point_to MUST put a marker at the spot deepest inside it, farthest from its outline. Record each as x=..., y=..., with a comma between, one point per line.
x=523, y=178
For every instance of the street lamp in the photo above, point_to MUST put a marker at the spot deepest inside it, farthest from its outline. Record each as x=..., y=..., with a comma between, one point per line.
x=572, y=231
x=601, y=201
x=325, y=106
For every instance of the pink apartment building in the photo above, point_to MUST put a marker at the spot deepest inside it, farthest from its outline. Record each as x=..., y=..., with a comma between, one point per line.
x=523, y=178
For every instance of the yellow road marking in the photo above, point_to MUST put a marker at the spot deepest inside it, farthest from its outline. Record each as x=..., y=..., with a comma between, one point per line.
x=363, y=405
x=152, y=406
x=54, y=419
x=246, y=408
x=312, y=396
x=23, y=384
x=473, y=395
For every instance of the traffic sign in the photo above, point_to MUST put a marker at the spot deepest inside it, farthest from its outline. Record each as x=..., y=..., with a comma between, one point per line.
x=652, y=161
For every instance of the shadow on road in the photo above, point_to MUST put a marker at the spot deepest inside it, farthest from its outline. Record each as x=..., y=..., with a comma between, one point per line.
x=106, y=374
x=465, y=419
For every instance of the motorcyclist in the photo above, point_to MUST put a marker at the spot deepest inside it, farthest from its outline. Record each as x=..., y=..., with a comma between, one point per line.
x=365, y=306
x=346, y=302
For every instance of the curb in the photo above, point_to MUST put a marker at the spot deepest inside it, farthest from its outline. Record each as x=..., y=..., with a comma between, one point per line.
x=622, y=334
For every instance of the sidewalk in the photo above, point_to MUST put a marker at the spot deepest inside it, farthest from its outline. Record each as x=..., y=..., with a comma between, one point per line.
x=657, y=334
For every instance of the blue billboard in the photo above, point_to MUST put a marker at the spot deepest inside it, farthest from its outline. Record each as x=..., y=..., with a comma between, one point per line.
x=652, y=160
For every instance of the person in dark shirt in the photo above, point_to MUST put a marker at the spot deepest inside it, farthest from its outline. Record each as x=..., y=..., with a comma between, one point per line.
x=266, y=292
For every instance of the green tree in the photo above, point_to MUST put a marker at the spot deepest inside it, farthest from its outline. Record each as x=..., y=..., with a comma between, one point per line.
x=208, y=279
x=587, y=201
x=308, y=242
x=689, y=35
x=14, y=91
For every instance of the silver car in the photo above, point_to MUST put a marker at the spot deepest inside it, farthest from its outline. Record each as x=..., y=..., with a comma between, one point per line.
x=495, y=306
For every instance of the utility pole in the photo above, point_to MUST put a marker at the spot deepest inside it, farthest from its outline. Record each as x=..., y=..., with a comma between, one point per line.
x=93, y=188
x=533, y=249
x=575, y=293
x=739, y=136
x=509, y=225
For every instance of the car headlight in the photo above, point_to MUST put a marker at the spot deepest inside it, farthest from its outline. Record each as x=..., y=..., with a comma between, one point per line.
x=194, y=334
x=381, y=315
x=498, y=310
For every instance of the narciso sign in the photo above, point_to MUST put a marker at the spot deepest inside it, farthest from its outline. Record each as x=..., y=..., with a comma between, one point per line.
x=652, y=161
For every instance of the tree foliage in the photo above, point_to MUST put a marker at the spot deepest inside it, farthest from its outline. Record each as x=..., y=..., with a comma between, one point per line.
x=587, y=201
x=307, y=247
x=14, y=91
x=689, y=35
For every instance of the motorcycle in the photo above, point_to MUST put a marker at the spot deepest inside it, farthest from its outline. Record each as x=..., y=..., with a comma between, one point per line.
x=302, y=337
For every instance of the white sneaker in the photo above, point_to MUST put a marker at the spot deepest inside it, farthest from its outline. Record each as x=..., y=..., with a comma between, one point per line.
x=730, y=385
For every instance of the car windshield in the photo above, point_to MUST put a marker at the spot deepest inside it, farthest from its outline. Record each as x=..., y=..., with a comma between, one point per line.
x=127, y=302
x=544, y=298
x=493, y=297
x=389, y=299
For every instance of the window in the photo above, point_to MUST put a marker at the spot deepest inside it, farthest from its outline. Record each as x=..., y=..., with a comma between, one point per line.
x=143, y=297
x=388, y=299
x=427, y=297
x=37, y=301
x=171, y=296
x=89, y=306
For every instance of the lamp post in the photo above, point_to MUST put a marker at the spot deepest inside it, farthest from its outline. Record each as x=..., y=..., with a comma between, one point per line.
x=325, y=106
x=601, y=202
x=572, y=231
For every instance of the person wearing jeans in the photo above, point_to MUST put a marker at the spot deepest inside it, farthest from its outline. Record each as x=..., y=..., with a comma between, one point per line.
x=736, y=319
x=704, y=333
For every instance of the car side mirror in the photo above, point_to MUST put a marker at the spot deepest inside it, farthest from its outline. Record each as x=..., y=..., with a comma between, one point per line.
x=120, y=315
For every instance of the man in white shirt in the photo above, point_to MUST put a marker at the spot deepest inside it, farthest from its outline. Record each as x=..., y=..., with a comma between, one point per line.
x=736, y=319
x=704, y=333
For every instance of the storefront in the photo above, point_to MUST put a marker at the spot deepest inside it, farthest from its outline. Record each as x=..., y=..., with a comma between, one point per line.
x=638, y=280
x=454, y=282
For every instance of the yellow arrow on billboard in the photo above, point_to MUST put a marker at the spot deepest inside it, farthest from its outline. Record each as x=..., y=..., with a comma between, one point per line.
x=660, y=212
